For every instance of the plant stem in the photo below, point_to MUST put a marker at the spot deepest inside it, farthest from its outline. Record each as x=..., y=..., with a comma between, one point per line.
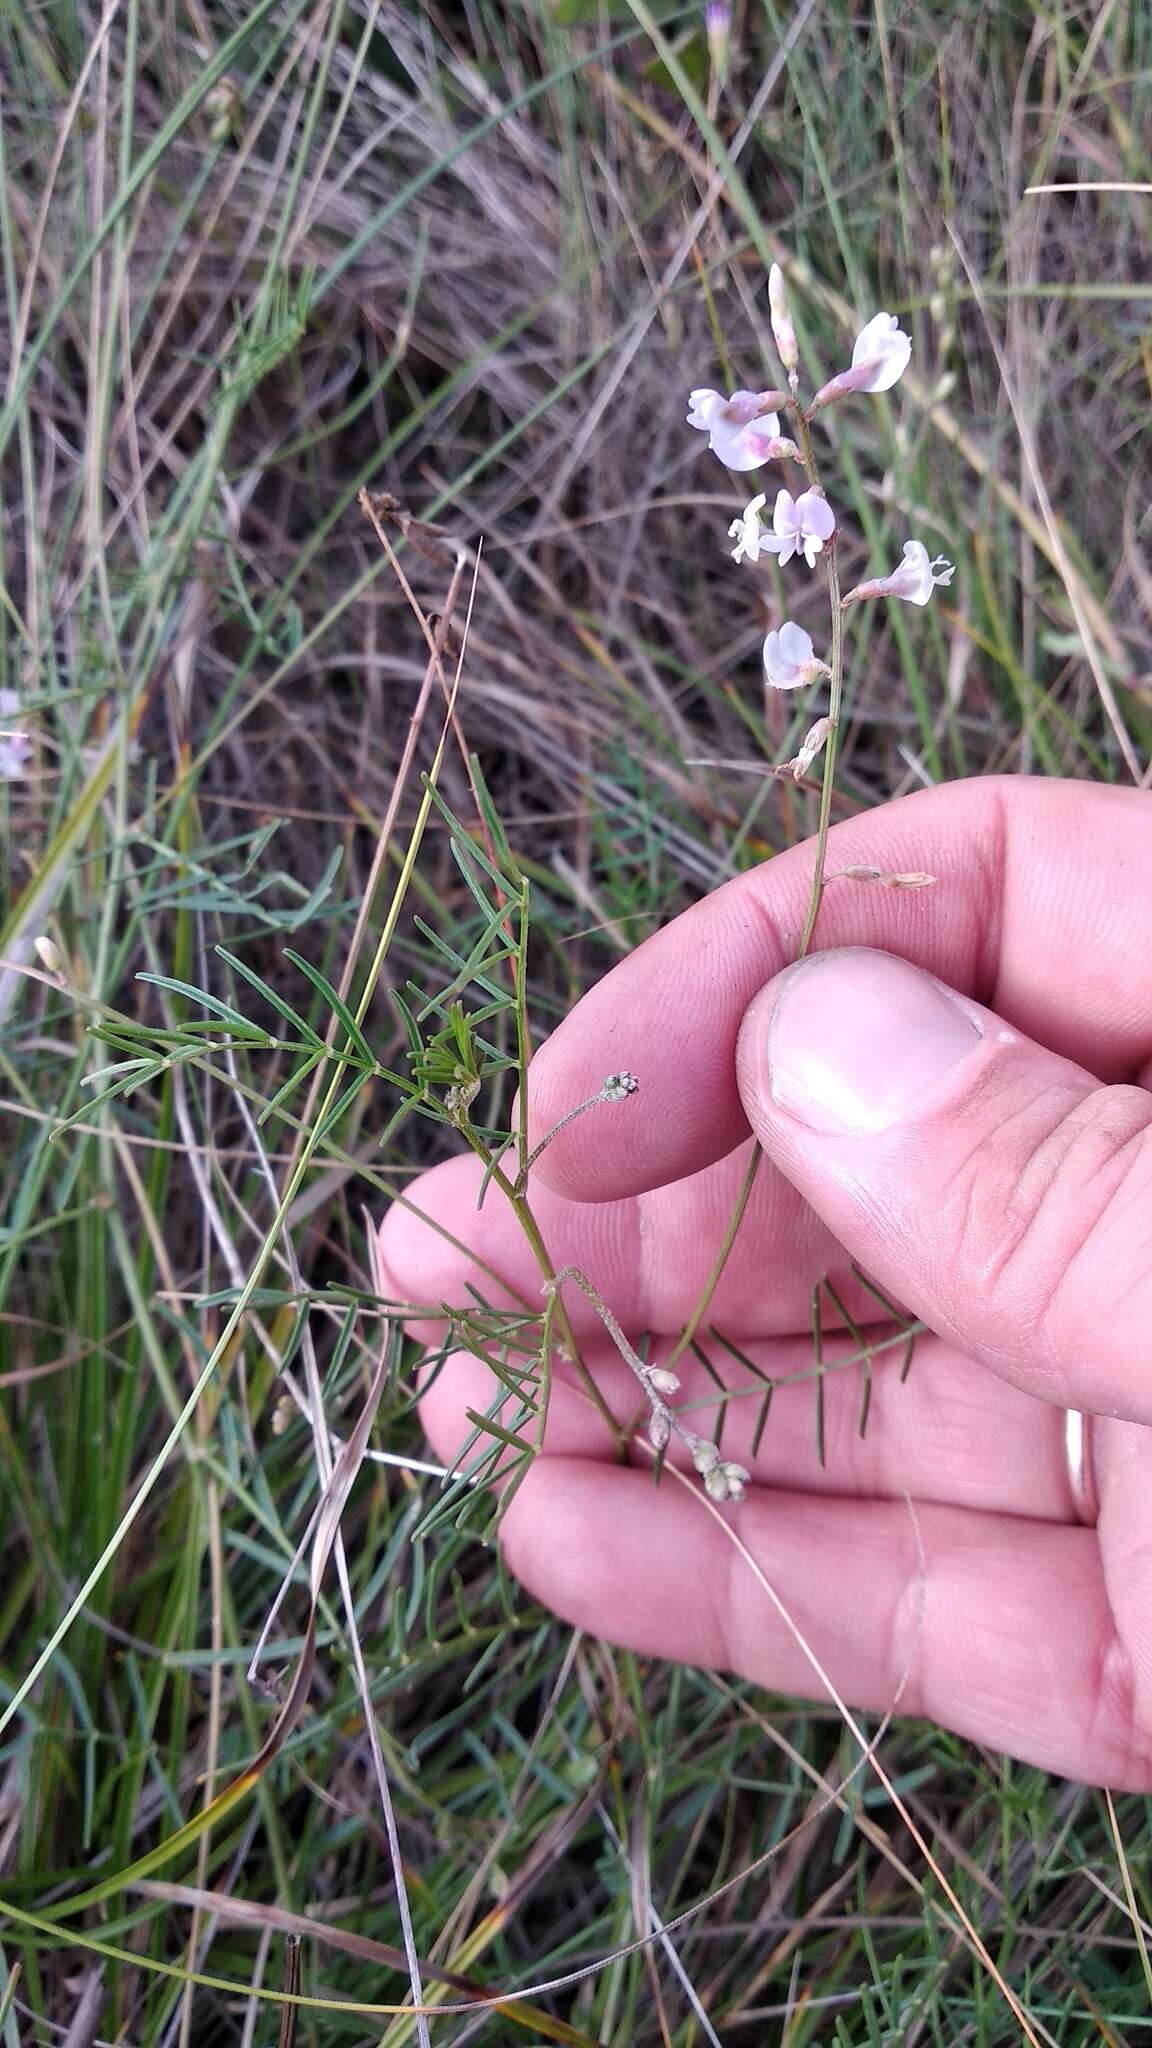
x=522, y=1210
x=835, y=696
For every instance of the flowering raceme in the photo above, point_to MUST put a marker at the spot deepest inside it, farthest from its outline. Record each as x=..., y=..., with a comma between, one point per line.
x=743, y=431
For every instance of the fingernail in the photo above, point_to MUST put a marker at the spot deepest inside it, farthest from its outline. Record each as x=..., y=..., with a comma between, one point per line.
x=858, y=1039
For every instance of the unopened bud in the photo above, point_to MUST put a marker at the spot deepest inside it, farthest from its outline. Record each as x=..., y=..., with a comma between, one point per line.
x=783, y=332
x=616, y=1087
x=780, y=449
x=49, y=955
x=662, y=1380
x=222, y=104
x=705, y=1457
x=737, y=1479
x=659, y=1431
x=718, y=29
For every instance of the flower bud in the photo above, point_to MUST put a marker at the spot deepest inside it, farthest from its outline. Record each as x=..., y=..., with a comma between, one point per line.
x=49, y=955
x=718, y=30
x=736, y=1479
x=659, y=1431
x=223, y=104
x=783, y=332
x=663, y=1381
x=705, y=1457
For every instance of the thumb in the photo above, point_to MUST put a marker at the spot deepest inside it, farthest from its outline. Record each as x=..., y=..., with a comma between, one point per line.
x=997, y=1190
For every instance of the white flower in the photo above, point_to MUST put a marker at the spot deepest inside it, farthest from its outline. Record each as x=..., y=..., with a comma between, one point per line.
x=914, y=580
x=739, y=431
x=15, y=745
x=747, y=531
x=881, y=353
x=789, y=660
x=802, y=525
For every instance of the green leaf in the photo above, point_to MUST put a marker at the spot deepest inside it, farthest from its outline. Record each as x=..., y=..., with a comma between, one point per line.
x=270, y=996
x=321, y=983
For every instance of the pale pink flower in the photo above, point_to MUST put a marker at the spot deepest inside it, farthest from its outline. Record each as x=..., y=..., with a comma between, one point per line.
x=789, y=660
x=740, y=429
x=15, y=745
x=914, y=580
x=880, y=355
x=801, y=526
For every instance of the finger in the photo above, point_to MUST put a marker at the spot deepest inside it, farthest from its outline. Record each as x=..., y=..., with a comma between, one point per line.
x=951, y=1432
x=1032, y=878
x=996, y=1627
x=1003, y=1190
x=649, y=1255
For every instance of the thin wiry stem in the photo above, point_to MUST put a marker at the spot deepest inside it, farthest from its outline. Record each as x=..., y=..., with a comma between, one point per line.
x=835, y=696
x=723, y=1479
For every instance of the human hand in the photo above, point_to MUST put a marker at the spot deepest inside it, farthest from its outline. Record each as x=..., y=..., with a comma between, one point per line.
x=989, y=1167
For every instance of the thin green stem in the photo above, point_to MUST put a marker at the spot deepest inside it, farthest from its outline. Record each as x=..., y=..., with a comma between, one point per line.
x=721, y=1260
x=835, y=692
x=522, y=1210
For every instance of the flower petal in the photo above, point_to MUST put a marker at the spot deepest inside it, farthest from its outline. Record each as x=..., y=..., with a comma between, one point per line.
x=816, y=515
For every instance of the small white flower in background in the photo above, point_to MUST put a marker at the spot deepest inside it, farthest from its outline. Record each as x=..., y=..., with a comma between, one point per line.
x=747, y=531
x=914, y=580
x=739, y=430
x=881, y=353
x=15, y=745
x=718, y=30
x=783, y=332
x=801, y=526
x=789, y=660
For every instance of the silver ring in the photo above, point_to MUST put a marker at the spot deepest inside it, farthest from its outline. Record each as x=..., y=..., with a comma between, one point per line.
x=1081, y=1470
